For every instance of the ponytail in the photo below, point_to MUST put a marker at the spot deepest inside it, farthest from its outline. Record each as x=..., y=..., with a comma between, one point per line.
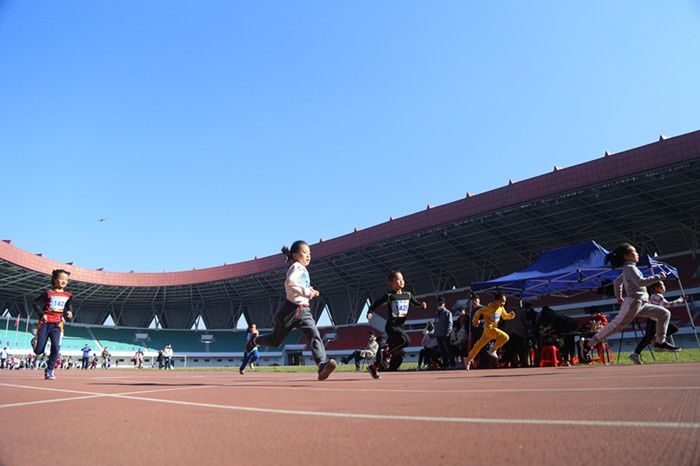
x=287, y=254
x=290, y=251
x=616, y=258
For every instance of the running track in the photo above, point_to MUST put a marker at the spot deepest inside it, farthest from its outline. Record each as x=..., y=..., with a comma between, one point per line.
x=595, y=415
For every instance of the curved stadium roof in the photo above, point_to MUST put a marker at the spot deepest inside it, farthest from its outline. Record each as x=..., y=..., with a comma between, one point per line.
x=647, y=195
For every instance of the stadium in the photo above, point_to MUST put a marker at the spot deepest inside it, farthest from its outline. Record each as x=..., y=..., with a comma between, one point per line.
x=339, y=233
x=548, y=415
x=646, y=195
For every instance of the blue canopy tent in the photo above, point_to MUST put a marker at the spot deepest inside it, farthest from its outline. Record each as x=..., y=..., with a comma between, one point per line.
x=570, y=271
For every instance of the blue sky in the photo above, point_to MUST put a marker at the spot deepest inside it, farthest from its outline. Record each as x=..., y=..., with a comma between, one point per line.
x=212, y=132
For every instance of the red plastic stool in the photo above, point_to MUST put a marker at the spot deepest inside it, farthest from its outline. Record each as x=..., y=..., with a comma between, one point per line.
x=549, y=356
x=603, y=350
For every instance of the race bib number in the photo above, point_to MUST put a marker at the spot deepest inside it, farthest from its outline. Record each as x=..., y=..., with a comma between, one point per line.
x=57, y=303
x=400, y=308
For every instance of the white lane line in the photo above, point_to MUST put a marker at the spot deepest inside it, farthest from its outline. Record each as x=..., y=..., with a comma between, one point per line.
x=467, y=390
x=385, y=417
x=456, y=420
x=41, y=402
x=85, y=395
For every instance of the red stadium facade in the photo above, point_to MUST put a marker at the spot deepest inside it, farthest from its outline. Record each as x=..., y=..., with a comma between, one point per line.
x=647, y=195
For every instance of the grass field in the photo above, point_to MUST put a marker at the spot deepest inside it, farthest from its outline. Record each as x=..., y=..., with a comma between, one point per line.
x=687, y=355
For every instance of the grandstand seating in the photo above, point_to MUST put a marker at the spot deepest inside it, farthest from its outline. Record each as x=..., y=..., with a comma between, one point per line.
x=74, y=338
x=16, y=339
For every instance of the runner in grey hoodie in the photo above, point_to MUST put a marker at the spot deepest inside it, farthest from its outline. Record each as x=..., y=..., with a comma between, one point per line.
x=636, y=302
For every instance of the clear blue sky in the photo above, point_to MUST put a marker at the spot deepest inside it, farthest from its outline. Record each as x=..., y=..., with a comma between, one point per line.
x=212, y=132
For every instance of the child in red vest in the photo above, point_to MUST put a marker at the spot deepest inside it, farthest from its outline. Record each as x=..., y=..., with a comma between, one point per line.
x=52, y=306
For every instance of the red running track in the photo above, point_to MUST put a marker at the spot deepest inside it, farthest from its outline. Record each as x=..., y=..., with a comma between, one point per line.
x=596, y=415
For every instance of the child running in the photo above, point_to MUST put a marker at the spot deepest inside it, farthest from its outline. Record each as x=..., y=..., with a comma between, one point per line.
x=52, y=306
x=636, y=303
x=491, y=315
x=656, y=297
x=249, y=357
x=398, y=302
x=295, y=312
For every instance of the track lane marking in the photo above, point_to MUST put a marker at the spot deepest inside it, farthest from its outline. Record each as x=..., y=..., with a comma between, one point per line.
x=385, y=417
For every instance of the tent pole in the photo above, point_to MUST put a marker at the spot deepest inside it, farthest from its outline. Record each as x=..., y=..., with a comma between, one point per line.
x=690, y=314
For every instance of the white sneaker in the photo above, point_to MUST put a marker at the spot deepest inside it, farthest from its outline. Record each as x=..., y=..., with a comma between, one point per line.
x=467, y=366
x=635, y=358
x=492, y=354
x=49, y=375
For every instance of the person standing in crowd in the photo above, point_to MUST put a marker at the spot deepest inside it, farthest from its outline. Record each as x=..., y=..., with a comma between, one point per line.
x=85, y=361
x=168, y=356
x=250, y=354
x=295, y=311
x=397, y=301
x=106, y=358
x=491, y=315
x=516, y=349
x=531, y=322
x=656, y=297
x=94, y=361
x=52, y=306
x=138, y=359
x=3, y=357
x=160, y=360
x=443, y=327
x=636, y=303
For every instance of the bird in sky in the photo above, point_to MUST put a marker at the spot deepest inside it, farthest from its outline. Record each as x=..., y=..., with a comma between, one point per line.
x=102, y=220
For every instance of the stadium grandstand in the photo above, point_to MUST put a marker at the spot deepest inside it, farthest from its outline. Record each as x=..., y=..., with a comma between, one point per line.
x=647, y=196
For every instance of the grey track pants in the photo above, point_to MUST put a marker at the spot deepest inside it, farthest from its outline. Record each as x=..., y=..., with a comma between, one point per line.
x=291, y=316
x=630, y=309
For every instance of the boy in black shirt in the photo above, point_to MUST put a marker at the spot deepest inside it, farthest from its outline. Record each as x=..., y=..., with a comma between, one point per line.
x=398, y=302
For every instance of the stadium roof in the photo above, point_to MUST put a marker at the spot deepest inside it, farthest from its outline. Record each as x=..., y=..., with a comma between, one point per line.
x=647, y=195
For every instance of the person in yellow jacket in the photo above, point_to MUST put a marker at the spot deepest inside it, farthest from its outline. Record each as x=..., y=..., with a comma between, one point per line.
x=490, y=314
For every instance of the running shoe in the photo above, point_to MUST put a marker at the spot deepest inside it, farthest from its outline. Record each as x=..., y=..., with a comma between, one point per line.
x=467, y=366
x=325, y=369
x=49, y=375
x=372, y=368
x=492, y=354
x=635, y=358
x=665, y=348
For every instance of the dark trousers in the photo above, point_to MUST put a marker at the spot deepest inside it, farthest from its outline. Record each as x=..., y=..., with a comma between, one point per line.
x=650, y=333
x=249, y=357
x=85, y=362
x=445, y=354
x=427, y=355
x=49, y=331
x=397, y=337
x=516, y=348
x=356, y=356
x=291, y=316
